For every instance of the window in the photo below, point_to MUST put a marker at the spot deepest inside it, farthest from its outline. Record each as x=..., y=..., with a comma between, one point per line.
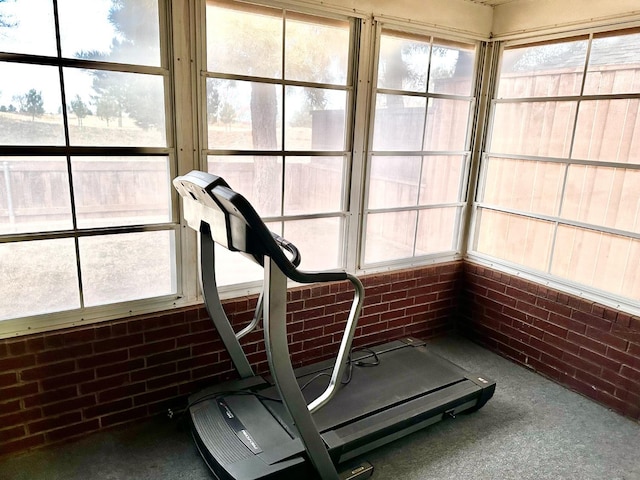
x=419, y=147
x=279, y=104
x=560, y=185
x=86, y=156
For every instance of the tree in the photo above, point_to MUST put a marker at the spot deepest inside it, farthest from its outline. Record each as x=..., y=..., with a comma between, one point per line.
x=111, y=96
x=227, y=114
x=79, y=108
x=136, y=41
x=213, y=100
x=32, y=103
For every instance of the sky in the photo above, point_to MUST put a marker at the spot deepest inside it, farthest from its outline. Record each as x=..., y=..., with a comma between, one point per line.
x=84, y=26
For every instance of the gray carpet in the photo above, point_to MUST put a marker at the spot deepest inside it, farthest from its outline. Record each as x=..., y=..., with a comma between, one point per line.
x=531, y=429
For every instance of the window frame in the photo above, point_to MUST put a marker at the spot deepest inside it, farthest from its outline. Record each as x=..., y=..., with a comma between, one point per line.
x=557, y=220
x=458, y=242
x=176, y=78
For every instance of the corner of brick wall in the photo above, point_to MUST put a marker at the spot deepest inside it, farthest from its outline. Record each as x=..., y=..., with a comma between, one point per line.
x=585, y=346
x=60, y=385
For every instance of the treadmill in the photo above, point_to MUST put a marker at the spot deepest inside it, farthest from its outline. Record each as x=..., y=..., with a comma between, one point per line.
x=319, y=419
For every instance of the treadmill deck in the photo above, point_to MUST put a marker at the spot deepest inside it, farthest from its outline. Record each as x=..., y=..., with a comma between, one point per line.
x=409, y=389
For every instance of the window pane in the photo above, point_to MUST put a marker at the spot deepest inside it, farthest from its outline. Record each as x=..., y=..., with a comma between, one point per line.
x=604, y=261
x=393, y=181
x=447, y=122
x=452, y=67
x=436, y=230
x=244, y=40
x=390, y=236
x=111, y=191
x=399, y=122
x=34, y=195
x=115, y=108
x=123, y=32
x=131, y=266
x=38, y=277
x=317, y=50
x=608, y=130
x=315, y=119
x=522, y=240
x=523, y=185
x=538, y=128
x=30, y=105
x=441, y=179
x=318, y=240
x=258, y=178
x=549, y=70
x=403, y=62
x=27, y=26
x=603, y=196
x=244, y=115
x=313, y=185
x=233, y=268
x=614, y=65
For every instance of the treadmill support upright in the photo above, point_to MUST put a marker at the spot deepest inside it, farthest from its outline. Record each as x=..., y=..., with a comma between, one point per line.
x=277, y=346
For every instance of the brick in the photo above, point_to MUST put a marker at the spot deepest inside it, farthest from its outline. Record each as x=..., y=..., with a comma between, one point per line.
x=118, y=343
x=623, y=358
x=155, y=396
x=69, y=337
x=12, y=433
x=514, y=333
x=18, y=391
x=22, y=444
x=518, y=294
x=630, y=373
x=595, y=382
x=601, y=360
x=17, y=363
x=586, y=342
x=104, y=383
x=123, y=391
x=8, y=379
x=54, y=422
x=607, y=339
x=9, y=407
x=75, y=403
x=72, y=431
x=166, y=333
x=51, y=396
x=125, y=416
x=561, y=343
x=545, y=347
x=147, y=349
x=20, y=417
x=151, y=372
x=98, y=360
x=108, y=407
x=591, y=320
x=568, y=323
x=121, y=367
x=550, y=328
x=74, y=378
x=625, y=333
x=582, y=364
x=532, y=310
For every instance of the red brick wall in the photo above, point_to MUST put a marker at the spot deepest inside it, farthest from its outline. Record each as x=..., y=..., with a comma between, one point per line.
x=63, y=384
x=583, y=345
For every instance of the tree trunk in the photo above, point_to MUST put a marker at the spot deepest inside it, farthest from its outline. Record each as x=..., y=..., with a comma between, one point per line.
x=267, y=175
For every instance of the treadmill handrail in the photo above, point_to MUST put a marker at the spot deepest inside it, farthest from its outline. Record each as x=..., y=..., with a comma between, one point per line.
x=342, y=359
